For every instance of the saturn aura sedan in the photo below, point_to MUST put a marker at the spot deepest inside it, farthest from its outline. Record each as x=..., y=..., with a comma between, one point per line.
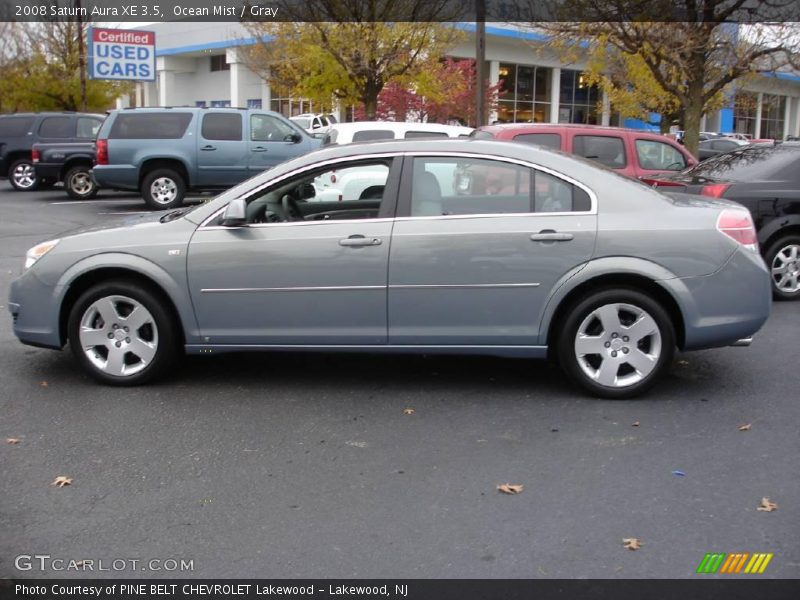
x=456, y=246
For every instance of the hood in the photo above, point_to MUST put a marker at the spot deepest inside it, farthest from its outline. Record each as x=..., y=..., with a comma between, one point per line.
x=122, y=222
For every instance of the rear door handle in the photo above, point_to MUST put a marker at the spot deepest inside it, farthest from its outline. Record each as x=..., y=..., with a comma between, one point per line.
x=551, y=236
x=207, y=148
x=259, y=149
x=358, y=241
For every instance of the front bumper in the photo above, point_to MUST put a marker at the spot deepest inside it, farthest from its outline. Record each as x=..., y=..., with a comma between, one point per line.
x=34, y=309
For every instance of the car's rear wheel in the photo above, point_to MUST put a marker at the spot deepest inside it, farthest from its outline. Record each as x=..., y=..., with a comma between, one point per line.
x=79, y=183
x=122, y=333
x=22, y=175
x=163, y=189
x=616, y=343
x=783, y=260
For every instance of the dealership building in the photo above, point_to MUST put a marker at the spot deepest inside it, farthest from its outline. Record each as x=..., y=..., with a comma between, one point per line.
x=202, y=64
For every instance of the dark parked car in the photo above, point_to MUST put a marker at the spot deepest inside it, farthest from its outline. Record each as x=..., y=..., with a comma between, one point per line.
x=70, y=163
x=720, y=145
x=765, y=179
x=629, y=152
x=562, y=257
x=19, y=132
x=163, y=152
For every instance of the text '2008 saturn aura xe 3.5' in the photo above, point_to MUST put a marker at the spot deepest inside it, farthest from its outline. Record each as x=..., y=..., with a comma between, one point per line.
x=448, y=246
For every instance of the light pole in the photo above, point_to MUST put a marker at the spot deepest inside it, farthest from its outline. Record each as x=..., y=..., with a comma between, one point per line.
x=480, y=62
x=81, y=56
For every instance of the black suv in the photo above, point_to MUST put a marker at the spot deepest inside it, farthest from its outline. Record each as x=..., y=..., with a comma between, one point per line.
x=765, y=179
x=18, y=133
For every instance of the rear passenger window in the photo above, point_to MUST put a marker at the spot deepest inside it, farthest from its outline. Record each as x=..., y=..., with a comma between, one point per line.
x=607, y=150
x=552, y=194
x=56, y=127
x=222, y=126
x=373, y=134
x=424, y=134
x=475, y=186
x=88, y=127
x=15, y=126
x=548, y=140
x=150, y=126
x=659, y=156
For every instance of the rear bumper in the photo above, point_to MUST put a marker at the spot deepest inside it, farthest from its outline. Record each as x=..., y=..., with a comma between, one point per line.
x=727, y=307
x=116, y=177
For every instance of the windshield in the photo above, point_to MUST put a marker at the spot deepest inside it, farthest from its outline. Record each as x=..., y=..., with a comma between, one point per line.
x=749, y=163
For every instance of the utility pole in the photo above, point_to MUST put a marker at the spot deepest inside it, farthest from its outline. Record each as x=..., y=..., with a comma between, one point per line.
x=480, y=62
x=81, y=56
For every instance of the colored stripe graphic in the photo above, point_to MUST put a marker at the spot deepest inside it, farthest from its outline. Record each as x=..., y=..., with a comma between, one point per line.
x=720, y=562
x=711, y=563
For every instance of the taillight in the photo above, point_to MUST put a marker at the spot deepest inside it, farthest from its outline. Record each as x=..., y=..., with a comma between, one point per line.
x=660, y=183
x=715, y=191
x=101, y=153
x=35, y=156
x=737, y=224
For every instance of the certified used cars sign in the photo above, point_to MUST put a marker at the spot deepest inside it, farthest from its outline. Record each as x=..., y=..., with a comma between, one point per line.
x=122, y=54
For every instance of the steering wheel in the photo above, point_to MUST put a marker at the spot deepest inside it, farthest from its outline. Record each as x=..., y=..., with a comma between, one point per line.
x=291, y=210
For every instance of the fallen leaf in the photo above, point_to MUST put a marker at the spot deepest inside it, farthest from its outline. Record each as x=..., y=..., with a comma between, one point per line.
x=510, y=488
x=632, y=543
x=683, y=363
x=408, y=411
x=62, y=480
x=635, y=424
x=745, y=427
x=44, y=384
x=767, y=505
x=13, y=441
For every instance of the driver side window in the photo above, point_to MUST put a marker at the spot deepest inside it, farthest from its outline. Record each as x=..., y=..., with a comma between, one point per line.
x=266, y=128
x=345, y=192
x=659, y=156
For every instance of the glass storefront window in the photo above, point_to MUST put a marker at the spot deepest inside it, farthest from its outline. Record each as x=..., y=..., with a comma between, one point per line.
x=527, y=94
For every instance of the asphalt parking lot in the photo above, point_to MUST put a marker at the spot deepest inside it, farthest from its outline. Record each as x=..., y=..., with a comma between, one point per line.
x=281, y=465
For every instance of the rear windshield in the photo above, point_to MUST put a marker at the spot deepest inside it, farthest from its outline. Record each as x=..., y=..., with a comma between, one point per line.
x=481, y=135
x=548, y=140
x=150, y=126
x=750, y=163
x=373, y=134
x=304, y=123
x=424, y=134
x=15, y=126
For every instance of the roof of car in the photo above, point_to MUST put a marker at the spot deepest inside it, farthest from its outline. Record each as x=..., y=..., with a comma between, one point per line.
x=397, y=125
x=534, y=126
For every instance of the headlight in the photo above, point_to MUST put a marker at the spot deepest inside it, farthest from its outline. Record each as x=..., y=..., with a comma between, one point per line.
x=38, y=251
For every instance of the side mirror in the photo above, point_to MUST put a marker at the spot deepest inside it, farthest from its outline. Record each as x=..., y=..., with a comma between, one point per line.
x=235, y=214
x=295, y=138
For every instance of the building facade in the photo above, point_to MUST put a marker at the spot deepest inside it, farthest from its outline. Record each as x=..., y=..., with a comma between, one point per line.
x=202, y=64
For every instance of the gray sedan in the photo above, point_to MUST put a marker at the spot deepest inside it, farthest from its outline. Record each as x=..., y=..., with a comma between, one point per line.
x=427, y=246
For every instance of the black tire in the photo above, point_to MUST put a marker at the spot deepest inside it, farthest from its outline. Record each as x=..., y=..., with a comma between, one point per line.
x=627, y=304
x=171, y=181
x=158, y=333
x=79, y=184
x=779, y=255
x=22, y=175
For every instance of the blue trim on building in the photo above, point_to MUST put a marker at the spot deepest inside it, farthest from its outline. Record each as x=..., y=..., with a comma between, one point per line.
x=726, y=120
x=639, y=124
x=208, y=46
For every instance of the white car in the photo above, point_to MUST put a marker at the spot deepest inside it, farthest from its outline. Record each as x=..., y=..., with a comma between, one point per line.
x=314, y=123
x=365, y=131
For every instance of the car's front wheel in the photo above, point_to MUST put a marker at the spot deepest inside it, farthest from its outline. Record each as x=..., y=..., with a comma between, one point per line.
x=122, y=333
x=616, y=343
x=22, y=175
x=79, y=183
x=163, y=189
x=783, y=260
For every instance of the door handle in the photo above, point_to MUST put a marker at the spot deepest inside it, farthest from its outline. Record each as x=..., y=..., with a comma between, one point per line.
x=547, y=235
x=259, y=149
x=207, y=148
x=358, y=241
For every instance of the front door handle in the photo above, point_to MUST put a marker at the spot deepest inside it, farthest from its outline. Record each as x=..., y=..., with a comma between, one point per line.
x=548, y=235
x=359, y=241
x=207, y=148
x=259, y=149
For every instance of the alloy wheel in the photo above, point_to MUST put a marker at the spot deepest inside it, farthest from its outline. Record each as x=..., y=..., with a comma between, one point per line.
x=118, y=335
x=163, y=190
x=24, y=176
x=618, y=345
x=786, y=269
